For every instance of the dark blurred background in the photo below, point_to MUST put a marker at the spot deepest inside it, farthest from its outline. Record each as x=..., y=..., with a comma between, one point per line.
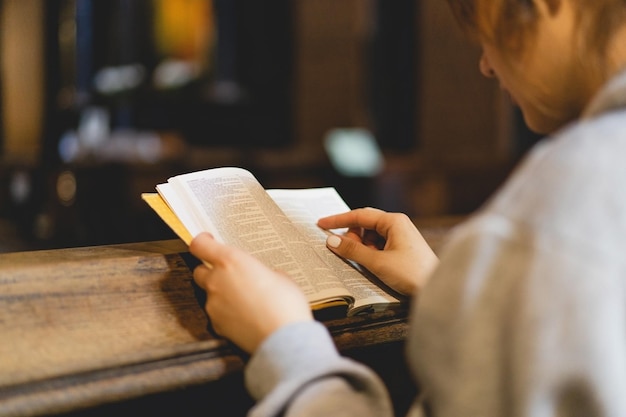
x=103, y=99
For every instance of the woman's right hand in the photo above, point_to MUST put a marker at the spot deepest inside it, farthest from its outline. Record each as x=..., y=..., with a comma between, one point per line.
x=387, y=244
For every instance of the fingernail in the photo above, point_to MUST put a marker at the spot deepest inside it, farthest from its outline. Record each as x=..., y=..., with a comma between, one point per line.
x=333, y=241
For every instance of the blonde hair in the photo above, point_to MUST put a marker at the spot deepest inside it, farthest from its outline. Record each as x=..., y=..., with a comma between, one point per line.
x=508, y=23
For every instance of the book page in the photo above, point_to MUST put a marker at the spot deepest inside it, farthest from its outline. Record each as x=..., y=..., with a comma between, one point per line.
x=304, y=207
x=234, y=207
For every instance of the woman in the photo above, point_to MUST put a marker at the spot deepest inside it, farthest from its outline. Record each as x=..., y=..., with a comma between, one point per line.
x=525, y=312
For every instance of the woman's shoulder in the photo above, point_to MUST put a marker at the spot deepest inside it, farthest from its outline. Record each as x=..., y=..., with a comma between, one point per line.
x=571, y=184
x=595, y=144
x=574, y=160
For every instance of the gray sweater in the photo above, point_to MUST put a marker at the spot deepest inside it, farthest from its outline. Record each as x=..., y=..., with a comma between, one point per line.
x=526, y=314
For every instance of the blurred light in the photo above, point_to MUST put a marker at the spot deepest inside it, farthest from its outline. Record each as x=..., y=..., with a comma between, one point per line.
x=69, y=146
x=20, y=187
x=354, y=152
x=111, y=80
x=149, y=147
x=174, y=73
x=93, y=128
x=43, y=227
x=66, y=188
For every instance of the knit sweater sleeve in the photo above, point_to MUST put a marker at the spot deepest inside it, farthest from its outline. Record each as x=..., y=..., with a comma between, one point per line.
x=297, y=371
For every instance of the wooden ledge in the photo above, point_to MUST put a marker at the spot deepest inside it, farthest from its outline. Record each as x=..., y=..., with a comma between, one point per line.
x=87, y=326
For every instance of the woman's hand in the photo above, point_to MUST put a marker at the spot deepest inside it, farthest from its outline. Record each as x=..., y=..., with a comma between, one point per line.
x=246, y=300
x=387, y=244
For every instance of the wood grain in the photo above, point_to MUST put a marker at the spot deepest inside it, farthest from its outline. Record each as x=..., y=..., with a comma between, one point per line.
x=86, y=326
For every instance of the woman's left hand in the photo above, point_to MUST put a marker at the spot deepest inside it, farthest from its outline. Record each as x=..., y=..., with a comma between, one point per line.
x=246, y=300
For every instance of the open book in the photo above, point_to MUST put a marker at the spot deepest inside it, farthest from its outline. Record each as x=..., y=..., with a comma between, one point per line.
x=278, y=227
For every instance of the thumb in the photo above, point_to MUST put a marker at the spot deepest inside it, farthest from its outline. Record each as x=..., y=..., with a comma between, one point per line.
x=350, y=249
x=207, y=249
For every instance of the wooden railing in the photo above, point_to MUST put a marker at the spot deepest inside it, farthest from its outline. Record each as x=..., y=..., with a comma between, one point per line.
x=82, y=327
